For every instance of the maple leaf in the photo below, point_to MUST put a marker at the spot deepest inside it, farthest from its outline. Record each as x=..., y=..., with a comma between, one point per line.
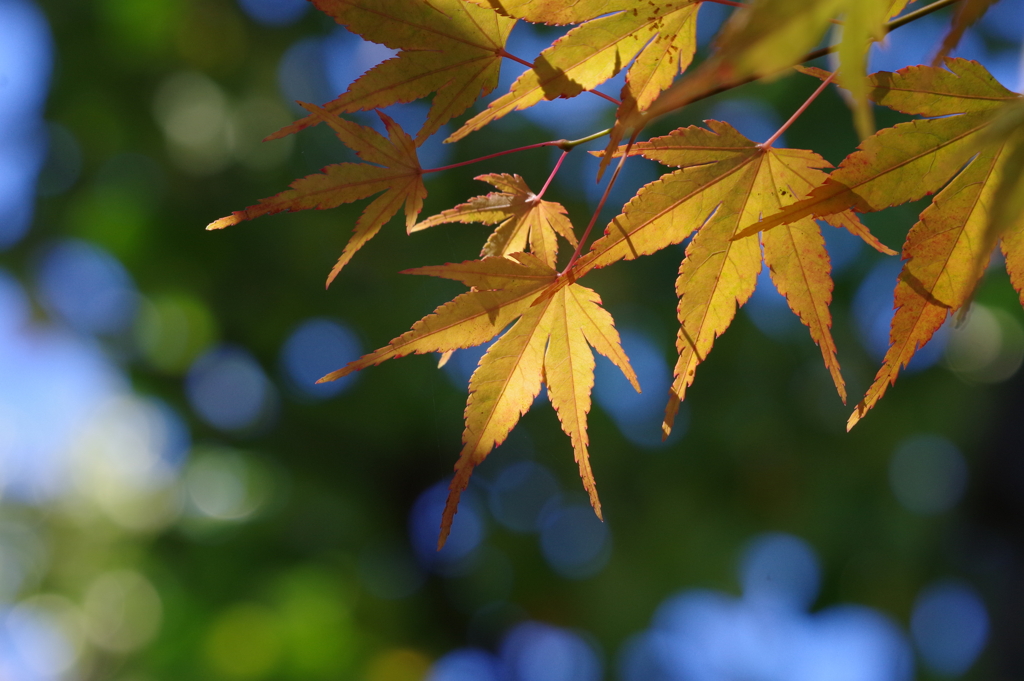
x=661, y=32
x=549, y=343
x=450, y=47
x=773, y=34
x=763, y=39
x=522, y=216
x=943, y=250
x=392, y=167
x=724, y=179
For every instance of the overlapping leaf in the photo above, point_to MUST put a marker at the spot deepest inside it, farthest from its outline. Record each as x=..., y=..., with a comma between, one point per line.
x=396, y=172
x=522, y=216
x=944, y=249
x=549, y=343
x=661, y=32
x=450, y=47
x=761, y=41
x=725, y=179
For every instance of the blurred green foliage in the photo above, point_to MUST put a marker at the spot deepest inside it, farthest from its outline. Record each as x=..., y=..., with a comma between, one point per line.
x=279, y=595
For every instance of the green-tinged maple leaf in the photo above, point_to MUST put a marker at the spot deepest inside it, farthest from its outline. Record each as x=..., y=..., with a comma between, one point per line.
x=450, y=47
x=392, y=167
x=939, y=273
x=909, y=160
x=773, y=34
x=661, y=32
x=1008, y=199
x=760, y=41
x=724, y=180
x=549, y=343
x=944, y=250
x=522, y=216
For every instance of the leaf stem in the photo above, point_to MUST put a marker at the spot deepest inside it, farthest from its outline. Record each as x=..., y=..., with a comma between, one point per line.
x=600, y=205
x=796, y=114
x=566, y=145
x=554, y=172
x=550, y=143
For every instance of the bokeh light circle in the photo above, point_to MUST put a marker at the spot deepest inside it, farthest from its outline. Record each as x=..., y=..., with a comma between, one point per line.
x=574, y=541
x=228, y=389
x=950, y=626
x=315, y=348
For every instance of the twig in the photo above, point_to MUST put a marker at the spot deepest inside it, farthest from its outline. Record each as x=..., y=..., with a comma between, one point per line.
x=600, y=205
x=552, y=143
x=554, y=172
x=796, y=114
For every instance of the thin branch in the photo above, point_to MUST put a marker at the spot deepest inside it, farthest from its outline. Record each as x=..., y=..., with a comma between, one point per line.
x=554, y=172
x=917, y=14
x=796, y=114
x=566, y=145
x=552, y=143
x=600, y=205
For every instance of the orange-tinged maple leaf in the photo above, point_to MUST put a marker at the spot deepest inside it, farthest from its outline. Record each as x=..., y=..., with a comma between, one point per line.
x=762, y=40
x=724, y=180
x=944, y=250
x=450, y=47
x=909, y=160
x=522, y=216
x=549, y=343
x=396, y=172
x=939, y=273
x=661, y=32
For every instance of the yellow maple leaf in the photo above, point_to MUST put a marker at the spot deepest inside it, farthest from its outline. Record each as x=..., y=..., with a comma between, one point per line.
x=549, y=343
x=450, y=47
x=723, y=181
x=661, y=32
x=396, y=172
x=760, y=41
x=909, y=160
x=522, y=216
x=944, y=251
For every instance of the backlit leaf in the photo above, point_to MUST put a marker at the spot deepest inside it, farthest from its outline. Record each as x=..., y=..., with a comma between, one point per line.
x=523, y=219
x=449, y=47
x=946, y=250
x=549, y=343
x=724, y=180
x=939, y=273
x=909, y=160
x=661, y=32
x=763, y=39
x=397, y=174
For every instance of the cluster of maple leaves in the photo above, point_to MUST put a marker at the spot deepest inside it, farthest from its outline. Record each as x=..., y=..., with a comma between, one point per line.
x=742, y=202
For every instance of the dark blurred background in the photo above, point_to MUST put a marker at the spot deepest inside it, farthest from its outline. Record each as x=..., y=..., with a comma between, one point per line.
x=179, y=501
